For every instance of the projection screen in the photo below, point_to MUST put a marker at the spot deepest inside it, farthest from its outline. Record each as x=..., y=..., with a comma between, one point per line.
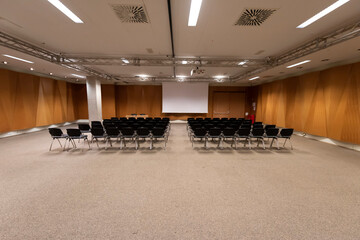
x=185, y=97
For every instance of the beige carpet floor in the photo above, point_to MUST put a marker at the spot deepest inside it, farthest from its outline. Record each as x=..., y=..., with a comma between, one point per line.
x=311, y=192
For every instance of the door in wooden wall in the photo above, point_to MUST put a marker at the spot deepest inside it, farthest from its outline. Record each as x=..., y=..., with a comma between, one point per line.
x=228, y=104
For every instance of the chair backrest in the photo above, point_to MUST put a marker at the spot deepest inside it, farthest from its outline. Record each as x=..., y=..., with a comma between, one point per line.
x=245, y=126
x=158, y=131
x=260, y=123
x=229, y=131
x=143, y=131
x=128, y=131
x=221, y=126
x=258, y=132
x=272, y=132
x=209, y=126
x=123, y=118
x=95, y=123
x=114, y=118
x=258, y=126
x=112, y=131
x=157, y=118
x=269, y=126
x=97, y=131
x=84, y=127
x=286, y=132
x=55, y=132
x=73, y=132
x=200, y=132
x=214, y=131
x=243, y=132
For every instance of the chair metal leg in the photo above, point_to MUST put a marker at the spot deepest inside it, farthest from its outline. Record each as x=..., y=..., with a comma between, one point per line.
x=87, y=140
x=285, y=142
x=59, y=142
x=249, y=140
x=136, y=144
x=272, y=142
x=263, y=143
x=97, y=143
x=291, y=144
x=51, y=144
x=257, y=142
x=277, y=144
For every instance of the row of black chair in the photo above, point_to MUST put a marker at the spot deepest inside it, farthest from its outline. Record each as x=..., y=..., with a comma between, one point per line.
x=222, y=132
x=120, y=130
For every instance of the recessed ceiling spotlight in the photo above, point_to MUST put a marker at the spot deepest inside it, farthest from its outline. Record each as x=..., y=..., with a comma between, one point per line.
x=79, y=76
x=31, y=69
x=257, y=77
x=65, y=10
x=51, y=73
x=16, y=58
x=194, y=12
x=243, y=62
x=299, y=63
x=4, y=62
x=325, y=60
x=125, y=61
x=184, y=62
x=324, y=12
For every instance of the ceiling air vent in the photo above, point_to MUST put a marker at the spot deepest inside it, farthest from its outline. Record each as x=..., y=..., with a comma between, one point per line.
x=131, y=13
x=254, y=17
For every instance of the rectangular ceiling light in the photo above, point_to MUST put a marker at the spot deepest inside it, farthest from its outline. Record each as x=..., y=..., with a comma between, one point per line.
x=79, y=76
x=297, y=64
x=254, y=78
x=324, y=12
x=65, y=11
x=194, y=12
x=125, y=60
x=16, y=58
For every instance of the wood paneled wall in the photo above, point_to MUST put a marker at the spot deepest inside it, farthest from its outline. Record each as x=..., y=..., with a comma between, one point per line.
x=325, y=103
x=28, y=101
x=124, y=100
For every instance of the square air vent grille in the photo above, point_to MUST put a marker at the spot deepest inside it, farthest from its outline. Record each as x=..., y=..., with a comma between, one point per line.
x=254, y=17
x=131, y=13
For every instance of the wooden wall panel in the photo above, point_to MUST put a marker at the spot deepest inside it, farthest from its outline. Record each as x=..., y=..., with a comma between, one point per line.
x=325, y=103
x=148, y=100
x=28, y=101
x=79, y=97
x=108, y=101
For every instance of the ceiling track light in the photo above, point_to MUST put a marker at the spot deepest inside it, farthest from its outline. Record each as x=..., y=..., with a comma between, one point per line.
x=324, y=12
x=194, y=12
x=125, y=61
x=59, y=5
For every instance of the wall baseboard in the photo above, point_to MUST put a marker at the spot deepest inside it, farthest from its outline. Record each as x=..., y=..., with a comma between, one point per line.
x=36, y=129
x=351, y=146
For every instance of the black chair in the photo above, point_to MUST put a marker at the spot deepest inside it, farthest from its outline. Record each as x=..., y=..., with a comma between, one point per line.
x=114, y=119
x=96, y=124
x=123, y=118
x=214, y=133
x=258, y=134
x=56, y=133
x=98, y=133
x=229, y=133
x=127, y=133
x=199, y=133
x=269, y=126
x=272, y=133
x=84, y=128
x=156, y=134
x=75, y=133
x=286, y=133
x=244, y=133
x=142, y=132
x=258, y=126
x=112, y=133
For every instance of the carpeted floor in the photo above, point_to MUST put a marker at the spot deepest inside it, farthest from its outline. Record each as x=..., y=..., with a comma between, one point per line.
x=311, y=192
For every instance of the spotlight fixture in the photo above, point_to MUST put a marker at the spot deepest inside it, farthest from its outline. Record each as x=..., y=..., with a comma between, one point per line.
x=16, y=58
x=51, y=73
x=324, y=12
x=181, y=76
x=125, y=61
x=243, y=62
x=31, y=69
x=181, y=80
x=220, y=76
x=194, y=12
x=299, y=63
x=4, y=62
x=142, y=75
x=257, y=77
x=183, y=62
x=219, y=79
x=59, y=5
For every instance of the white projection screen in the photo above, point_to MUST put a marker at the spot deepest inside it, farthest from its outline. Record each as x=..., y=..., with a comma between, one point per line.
x=185, y=97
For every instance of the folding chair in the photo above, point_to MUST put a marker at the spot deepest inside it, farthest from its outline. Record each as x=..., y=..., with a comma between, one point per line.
x=56, y=133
